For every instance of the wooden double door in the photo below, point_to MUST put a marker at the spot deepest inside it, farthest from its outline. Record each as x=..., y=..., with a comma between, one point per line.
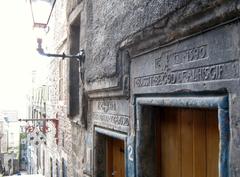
x=187, y=142
x=115, y=158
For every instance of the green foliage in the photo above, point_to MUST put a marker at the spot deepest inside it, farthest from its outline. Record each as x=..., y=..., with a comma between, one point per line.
x=23, y=135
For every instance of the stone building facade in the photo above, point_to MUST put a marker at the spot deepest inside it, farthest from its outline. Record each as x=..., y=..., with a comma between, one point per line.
x=9, y=136
x=158, y=91
x=50, y=143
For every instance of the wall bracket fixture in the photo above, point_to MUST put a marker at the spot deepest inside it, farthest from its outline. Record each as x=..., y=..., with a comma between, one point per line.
x=80, y=56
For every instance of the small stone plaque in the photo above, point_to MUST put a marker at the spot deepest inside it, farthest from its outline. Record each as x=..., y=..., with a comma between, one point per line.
x=111, y=113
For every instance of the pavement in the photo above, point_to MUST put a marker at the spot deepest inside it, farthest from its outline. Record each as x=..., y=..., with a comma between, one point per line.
x=24, y=174
x=32, y=175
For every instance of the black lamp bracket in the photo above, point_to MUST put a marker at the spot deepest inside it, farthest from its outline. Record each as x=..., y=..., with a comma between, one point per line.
x=80, y=56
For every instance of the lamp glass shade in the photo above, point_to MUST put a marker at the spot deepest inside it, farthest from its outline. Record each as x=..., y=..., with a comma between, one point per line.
x=41, y=11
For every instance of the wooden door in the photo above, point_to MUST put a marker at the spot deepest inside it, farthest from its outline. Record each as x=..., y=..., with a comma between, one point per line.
x=115, y=158
x=187, y=142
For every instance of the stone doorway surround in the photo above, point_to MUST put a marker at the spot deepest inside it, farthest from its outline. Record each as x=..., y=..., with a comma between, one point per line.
x=142, y=137
x=99, y=157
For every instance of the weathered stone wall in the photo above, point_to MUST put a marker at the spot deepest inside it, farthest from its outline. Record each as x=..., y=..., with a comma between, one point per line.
x=140, y=27
x=114, y=34
x=62, y=146
x=57, y=106
x=58, y=25
x=76, y=15
x=111, y=22
x=78, y=146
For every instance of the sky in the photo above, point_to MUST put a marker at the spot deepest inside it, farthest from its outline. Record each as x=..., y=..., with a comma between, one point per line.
x=18, y=57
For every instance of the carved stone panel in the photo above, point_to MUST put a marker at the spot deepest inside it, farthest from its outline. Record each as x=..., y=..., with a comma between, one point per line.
x=209, y=57
x=111, y=113
x=116, y=85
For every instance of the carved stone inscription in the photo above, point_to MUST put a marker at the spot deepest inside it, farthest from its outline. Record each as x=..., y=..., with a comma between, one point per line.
x=212, y=56
x=120, y=120
x=107, y=105
x=205, y=73
x=181, y=57
x=111, y=112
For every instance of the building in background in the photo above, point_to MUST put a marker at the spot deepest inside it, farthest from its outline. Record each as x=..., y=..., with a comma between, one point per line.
x=157, y=93
x=10, y=138
x=3, y=134
x=23, y=159
x=49, y=135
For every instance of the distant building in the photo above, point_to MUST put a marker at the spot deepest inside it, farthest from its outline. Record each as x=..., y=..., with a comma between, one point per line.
x=23, y=160
x=3, y=135
x=50, y=151
x=10, y=138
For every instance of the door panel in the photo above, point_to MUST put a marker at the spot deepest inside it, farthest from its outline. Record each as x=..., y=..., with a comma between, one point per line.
x=109, y=162
x=199, y=143
x=187, y=142
x=212, y=142
x=170, y=149
x=115, y=158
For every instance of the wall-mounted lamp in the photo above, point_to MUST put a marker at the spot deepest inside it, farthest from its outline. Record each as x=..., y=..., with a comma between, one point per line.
x=41, y=12
x=80, y=56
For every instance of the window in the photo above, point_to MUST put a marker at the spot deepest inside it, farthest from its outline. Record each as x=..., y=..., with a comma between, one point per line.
x=43, y=162
x=60, y=81
x=38, y=158
x=51, y=167
x=63, y=138
x=57, y=169
x=64, y=168
x=74, y=79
